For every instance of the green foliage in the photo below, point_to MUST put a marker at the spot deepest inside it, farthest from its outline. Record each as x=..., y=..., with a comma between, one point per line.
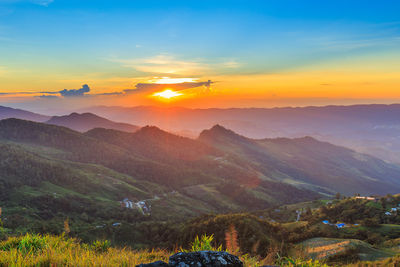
x=27, y=244
x=36, y=250
x=255, y=235
x=204, y=243
x=290, y=262
x=101, y=246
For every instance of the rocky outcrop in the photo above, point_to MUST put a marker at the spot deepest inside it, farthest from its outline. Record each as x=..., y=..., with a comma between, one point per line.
x=154, y=264
x=199, y=259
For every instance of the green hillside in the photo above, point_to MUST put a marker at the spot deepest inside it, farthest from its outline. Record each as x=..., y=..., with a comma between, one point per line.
x=308, y=163
x=49, y=174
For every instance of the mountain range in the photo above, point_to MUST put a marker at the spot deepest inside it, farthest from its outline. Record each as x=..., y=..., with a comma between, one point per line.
x=7, y=112
x=87, y=121
x=79, y=122
x=218, y=166
x=371, y=129
x=49, y=172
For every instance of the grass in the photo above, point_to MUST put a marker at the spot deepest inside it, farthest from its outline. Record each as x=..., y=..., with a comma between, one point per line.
x=48, y=250
x=323, y=248
x=389, y=230
x=37, y=250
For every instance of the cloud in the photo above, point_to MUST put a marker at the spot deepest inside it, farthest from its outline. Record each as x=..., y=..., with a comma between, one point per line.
x=112, y=93
x=75, y=92
x=18, y=93
x=140, y=87
x=48, y=96
x=152, y=86
x=164, y=65
x=232, y=64
x=42, y=2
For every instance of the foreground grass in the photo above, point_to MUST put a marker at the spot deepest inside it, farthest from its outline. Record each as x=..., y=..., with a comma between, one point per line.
x=48, y=250
x=36, y=250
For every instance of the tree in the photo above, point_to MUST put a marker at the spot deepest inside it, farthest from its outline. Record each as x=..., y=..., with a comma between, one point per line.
x=370, y=222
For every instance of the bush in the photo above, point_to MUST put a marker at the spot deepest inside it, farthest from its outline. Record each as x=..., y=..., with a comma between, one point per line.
x=289, y=262
x=26, y=244
x=101, y=246
x=205, y=243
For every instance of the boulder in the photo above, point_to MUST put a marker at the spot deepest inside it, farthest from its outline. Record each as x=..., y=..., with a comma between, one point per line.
x=204, y=259
x=154, y=264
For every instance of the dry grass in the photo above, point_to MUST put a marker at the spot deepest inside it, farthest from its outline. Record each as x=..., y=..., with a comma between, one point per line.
x=48, y=250
x=60, y=251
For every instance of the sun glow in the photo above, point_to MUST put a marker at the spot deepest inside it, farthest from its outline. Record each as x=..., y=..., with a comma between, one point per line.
x=168, y=94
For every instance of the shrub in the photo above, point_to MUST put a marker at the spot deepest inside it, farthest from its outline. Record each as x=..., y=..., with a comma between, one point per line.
x=26, y=244
x=101, y=246
x=203, y=243
x=289, y=262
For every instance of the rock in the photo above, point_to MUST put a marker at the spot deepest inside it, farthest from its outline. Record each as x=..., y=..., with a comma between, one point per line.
x=154, y=264
x=204, y=259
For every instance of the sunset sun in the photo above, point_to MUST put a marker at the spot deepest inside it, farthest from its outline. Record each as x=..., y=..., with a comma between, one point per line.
x=167, y=94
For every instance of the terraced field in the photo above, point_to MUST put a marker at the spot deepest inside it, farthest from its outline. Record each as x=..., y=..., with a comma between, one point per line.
x=323, y=248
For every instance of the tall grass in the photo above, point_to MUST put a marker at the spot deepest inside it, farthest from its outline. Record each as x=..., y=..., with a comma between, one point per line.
x=232, y=241
x=37, y=250
x=48, y=250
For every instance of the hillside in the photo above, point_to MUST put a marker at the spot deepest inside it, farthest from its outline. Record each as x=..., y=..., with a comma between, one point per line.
x=87, y=121
x=49, y=173
x=307, y=162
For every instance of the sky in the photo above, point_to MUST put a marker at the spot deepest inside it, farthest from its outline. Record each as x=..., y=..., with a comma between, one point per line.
x=69, y=54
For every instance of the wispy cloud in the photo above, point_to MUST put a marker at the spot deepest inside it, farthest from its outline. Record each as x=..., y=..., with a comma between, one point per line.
x=351, y=43
x=170, y=65
x=44, y=3
x=70, y=92
x=164, y=64
x=48, y=96
x=140, y=87
x=231, y=64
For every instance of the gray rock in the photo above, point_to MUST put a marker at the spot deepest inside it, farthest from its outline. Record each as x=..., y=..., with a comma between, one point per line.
x=204, y=259
x=154, y=264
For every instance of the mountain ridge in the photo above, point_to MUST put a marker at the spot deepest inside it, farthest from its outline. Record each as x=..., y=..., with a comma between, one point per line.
x=8, y=112
x=86, y=121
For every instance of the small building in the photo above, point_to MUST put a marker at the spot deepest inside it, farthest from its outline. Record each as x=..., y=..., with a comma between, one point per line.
x=325, y=222
x=126, y=203
x=372, y=198
x=388, y=213
x=340, y=225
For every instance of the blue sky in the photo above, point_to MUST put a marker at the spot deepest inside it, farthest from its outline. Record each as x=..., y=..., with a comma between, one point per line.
x=51, y=45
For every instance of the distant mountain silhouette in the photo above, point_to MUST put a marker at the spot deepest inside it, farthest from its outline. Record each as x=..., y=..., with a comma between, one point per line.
x=6, y=113
x=87, y=121
x=372, y=129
